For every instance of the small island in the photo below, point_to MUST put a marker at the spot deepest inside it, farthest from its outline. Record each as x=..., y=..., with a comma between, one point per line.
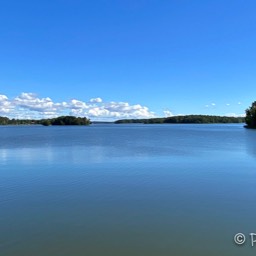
x=62, y=120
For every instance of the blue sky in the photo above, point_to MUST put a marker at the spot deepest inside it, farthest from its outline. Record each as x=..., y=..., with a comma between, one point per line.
x=142, y=58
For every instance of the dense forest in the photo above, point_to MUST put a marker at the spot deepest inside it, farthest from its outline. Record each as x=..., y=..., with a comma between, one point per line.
x=250, y=118
x=7, y=121
x=66, y=120
x=62, y=120
x=189, y=119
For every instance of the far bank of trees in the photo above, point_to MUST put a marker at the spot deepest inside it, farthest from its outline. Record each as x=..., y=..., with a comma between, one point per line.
x=189, y=119
x=66, y=120
x=250, y=120
x=7, y=121
x=62, y=120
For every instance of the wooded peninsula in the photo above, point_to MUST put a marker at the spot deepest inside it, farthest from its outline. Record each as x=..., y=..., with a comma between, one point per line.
x=188, y=119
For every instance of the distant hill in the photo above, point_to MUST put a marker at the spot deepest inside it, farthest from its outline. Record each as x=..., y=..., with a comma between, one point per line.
x=188, y=119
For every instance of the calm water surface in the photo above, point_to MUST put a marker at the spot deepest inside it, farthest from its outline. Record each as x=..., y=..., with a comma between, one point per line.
x=127, y=190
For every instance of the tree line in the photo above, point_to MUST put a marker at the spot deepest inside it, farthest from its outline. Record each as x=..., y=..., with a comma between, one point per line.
x=250, y=118
x=62, y=120
x=188, y=119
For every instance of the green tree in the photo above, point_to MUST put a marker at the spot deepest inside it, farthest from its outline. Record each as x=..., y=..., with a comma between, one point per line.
x=250, y=118
x=46, y=122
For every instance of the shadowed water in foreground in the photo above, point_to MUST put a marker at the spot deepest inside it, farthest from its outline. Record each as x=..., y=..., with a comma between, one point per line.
x=123, y=190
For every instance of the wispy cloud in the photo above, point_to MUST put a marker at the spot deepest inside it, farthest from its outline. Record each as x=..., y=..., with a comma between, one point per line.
x=98, y=100
x=6, y=105
x=167, y=113
x=29, y=105
x=210, y=105
x=235, y=115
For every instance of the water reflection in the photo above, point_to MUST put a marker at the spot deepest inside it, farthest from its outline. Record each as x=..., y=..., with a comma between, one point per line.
x=26, y=155
x=251, y=142
x=140, y=188
x=3, y=156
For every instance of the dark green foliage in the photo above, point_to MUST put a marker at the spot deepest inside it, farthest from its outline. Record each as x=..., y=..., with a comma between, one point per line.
x=250, y=118
x=203, y=119
x=62, y=120
x=189, y=119
x=46, y=122
x=66, y=120
x=7, y=121
x=4, y=120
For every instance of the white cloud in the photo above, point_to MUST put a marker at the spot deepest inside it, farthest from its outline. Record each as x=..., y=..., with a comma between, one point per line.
x=29, y=105
x=227, y=104
x=239, y=103
x=120, y=110
x=210, y=105
x=3, y=98
x=97, y=100
x=167, y=113
x=235, y=115
x=31, y=102
x=97, y=112
x=5, y=105
x=77, y=104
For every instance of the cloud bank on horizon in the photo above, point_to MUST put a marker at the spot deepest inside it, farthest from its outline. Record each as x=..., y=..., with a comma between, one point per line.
x=30, y=106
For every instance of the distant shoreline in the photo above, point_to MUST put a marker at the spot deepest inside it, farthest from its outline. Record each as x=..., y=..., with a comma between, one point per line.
x=62, y=120
x=71, y=120
x=186, y=119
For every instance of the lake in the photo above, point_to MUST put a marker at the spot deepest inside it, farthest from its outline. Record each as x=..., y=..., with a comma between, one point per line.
x=127, y=190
